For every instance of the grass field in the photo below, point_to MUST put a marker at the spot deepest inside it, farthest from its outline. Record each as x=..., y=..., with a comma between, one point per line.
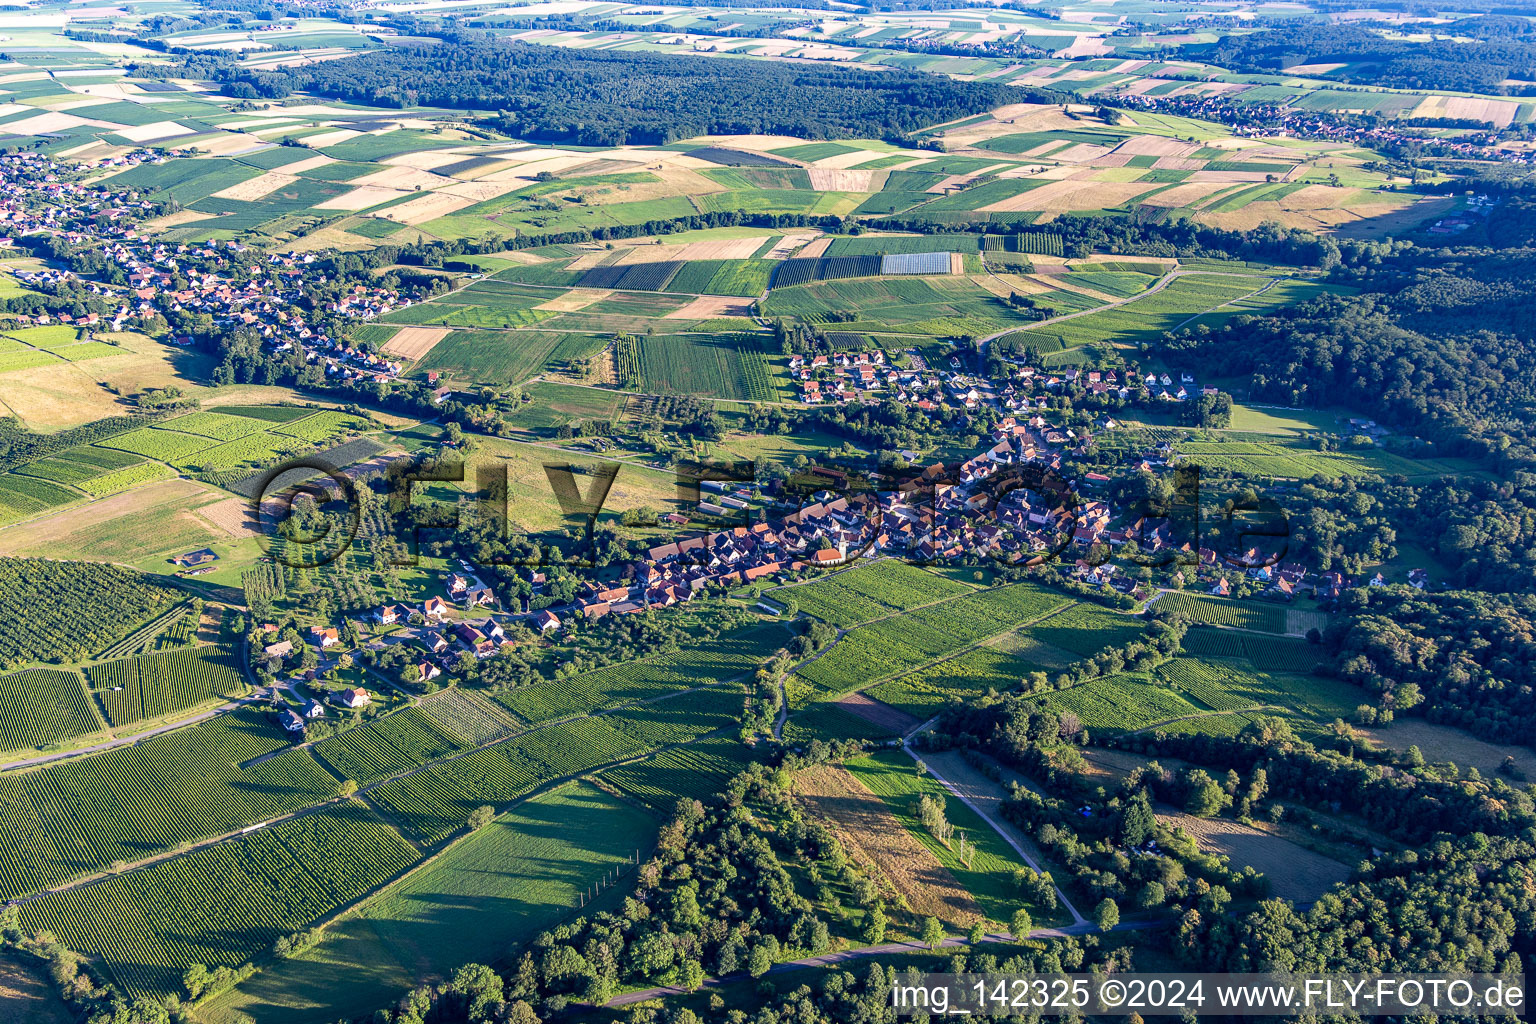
x=1146, y=318
x=480, y=899
x=987, y=873
x=552, y=405
x=1294, y=459
x=505, y=357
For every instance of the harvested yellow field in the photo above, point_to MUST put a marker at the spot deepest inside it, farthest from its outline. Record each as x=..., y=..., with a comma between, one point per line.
x=428, y=206
x=553, y=161
x=414, y=342
x=706, y=307
x=589, y=259
x=407, y=179
x=816, y=249
x=872, y=835
x=233, y=516
x=575, y=299
x=479, y=191
x=1004, y=285
x=844, y=160
x=1082, y=153
x=426, y=159
x=1227, y=176
x=106, y=530
x=1186, y=194
x=1499, y=112
x=825, y=179
x=309, y=164
x=226, y=144
x=331, y=138
x=360, y=198
x=257, y=187
x=137, y=132
x=711, y=249
x=1155, y=145
x=56, y=121
x=1073, y=194
x=786, y=245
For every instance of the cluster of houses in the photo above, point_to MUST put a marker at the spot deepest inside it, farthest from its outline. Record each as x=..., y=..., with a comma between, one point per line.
x=232, y=283
x=1126, y=385
x=38, y=195
x=1268, y=120
x=865, y=377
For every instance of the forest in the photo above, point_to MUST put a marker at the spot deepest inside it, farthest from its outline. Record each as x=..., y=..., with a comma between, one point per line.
x=599, y=98
x=1500, y=48
x=1437, y=338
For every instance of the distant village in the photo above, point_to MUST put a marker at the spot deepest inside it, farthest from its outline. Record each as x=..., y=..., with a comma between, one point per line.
x=232, y=284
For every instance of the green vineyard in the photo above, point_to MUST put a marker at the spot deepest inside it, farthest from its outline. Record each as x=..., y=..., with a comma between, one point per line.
x=387, y=746
x=224, y=905
x=722, y=658
x=152, y=685
x=895, y=645
x=79, y=816
x=43, y=706
x=696, y=770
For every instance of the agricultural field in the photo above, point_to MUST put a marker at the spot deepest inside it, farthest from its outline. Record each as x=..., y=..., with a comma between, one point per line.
x=83, y=815
x=986, y=871
x=1296, y=460
x=467, y=717
x=696, y=770
x=1122, y=703
x=207, y=281
x=227, y=903
x=869, y=592
x=936, y=306
x=712, y=661
x=719, y=366
x=968, y=677
x=504, y=357
x=436, y=801
x=1265, y=616
x=154, y=685
x=387, y=746
x=552, y=405
x=69, y=611
x=895, y=645
x=520, y=874
x=1145, y=317
x=43, y=706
